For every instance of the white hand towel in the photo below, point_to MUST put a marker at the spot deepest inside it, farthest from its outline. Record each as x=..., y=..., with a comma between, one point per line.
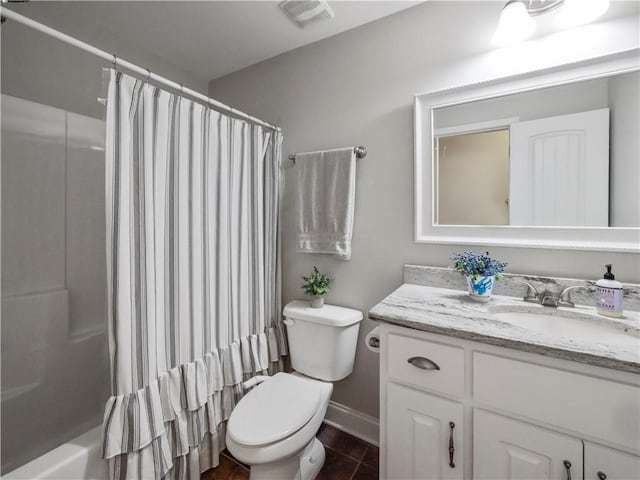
x=326, y=201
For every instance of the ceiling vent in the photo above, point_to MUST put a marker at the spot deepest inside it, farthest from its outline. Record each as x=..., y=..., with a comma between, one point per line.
x=304, y=12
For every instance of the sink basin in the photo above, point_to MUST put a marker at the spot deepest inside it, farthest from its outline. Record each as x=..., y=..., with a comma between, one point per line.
x=572, y=325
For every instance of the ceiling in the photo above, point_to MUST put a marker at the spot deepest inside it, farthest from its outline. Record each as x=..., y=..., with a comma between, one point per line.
x=208, y=39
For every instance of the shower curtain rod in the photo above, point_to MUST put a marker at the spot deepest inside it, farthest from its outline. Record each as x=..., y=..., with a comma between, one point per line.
x=119, y=62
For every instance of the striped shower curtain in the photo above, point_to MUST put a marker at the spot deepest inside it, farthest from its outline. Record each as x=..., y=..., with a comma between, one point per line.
x=193, y=276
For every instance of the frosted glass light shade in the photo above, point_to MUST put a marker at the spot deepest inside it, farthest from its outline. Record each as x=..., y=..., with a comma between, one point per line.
x=579, y=12
x=514, y=25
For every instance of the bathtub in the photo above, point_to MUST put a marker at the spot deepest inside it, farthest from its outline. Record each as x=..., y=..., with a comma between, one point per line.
x=79, y=459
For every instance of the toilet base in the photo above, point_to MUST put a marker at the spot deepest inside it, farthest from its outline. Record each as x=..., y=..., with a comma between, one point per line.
x=304, y=466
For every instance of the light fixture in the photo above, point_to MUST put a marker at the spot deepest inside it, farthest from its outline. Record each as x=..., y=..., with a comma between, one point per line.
x=516, y=22
x=580, y=12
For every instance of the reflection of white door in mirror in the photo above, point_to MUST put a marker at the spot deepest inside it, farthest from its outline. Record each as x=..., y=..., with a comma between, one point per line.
x=559, y=173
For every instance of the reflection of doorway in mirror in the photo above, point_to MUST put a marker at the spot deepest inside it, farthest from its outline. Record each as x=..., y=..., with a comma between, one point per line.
x=473, y=178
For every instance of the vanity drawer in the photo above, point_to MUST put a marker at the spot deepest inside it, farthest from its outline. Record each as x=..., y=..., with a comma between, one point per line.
x=426, y=364
x=592, y=406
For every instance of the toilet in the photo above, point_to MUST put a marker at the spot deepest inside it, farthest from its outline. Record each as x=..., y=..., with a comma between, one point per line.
x=272, y=428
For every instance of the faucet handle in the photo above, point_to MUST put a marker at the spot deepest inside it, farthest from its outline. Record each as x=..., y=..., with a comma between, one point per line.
x=531, y=295
x=551, y=297
x=566, y=292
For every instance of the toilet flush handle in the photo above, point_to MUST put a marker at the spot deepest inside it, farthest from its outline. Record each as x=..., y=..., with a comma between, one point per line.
x=289, y=322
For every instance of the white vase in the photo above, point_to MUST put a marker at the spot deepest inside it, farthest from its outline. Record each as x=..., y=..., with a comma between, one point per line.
x=317, y=301
x=480, y=287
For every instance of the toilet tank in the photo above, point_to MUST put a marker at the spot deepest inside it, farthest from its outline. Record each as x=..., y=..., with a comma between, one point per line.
x=322, y=341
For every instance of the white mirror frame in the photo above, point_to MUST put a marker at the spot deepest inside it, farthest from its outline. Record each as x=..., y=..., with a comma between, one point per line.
x=614, y=239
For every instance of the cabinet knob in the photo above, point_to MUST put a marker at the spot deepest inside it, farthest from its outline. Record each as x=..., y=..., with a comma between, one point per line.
x=423, y=363
x=567, y=465
x=601, y=476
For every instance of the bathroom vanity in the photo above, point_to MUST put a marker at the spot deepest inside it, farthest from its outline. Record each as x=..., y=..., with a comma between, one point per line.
x=466, y=394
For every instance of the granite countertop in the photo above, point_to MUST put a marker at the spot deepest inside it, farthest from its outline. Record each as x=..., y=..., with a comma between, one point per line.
x=451, y=312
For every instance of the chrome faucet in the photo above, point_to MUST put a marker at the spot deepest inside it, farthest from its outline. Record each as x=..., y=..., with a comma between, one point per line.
x=548, y=297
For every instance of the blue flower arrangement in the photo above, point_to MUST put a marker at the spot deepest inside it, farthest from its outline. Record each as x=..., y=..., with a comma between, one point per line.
x=478, y=265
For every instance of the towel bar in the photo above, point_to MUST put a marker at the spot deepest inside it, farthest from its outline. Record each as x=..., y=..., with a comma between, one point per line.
x=361, y=152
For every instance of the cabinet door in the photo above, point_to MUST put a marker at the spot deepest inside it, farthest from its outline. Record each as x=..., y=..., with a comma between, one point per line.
x=419, y=436
x=507, y=449
x=602, y=463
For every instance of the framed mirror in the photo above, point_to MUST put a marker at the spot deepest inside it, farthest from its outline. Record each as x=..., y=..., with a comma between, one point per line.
x=549, y=159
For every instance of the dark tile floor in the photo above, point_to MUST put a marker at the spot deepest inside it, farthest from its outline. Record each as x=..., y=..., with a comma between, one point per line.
x=347, y=458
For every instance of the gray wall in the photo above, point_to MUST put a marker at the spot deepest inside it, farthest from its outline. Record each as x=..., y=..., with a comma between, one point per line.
x=41, y=69
x=357, y=88
x=53, y=342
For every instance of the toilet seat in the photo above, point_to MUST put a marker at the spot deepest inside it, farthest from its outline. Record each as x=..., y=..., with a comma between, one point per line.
x=274, y=410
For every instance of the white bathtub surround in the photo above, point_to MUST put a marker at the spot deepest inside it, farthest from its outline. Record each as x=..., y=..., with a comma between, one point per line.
x=451, y=312
x=193, y=277
x=53, y=275
x=79, y=459
x=325, y=201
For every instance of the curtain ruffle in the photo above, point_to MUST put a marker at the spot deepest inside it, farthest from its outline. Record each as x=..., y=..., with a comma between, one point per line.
x=155, y=462
x=176, y=411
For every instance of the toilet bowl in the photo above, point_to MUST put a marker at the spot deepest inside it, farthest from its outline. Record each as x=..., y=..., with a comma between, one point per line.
x=273, y=427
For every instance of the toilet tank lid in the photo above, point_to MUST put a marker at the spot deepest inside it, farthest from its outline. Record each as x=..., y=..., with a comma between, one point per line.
x=331, y=315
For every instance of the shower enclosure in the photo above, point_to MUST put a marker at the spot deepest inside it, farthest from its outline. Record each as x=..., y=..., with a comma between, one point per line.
x=54, y=362
x=178, y=354
x=53, y=337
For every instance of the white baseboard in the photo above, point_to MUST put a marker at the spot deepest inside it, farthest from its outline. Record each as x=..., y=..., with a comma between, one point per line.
x=351, y=421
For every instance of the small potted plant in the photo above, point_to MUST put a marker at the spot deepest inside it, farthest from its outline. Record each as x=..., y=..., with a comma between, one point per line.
x=481, y=272
x=317, y=285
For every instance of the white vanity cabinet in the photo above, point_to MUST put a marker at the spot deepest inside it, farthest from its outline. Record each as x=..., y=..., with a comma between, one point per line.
x=602, y=463
x=422, y=428
x=504, y=448
x=515, y=415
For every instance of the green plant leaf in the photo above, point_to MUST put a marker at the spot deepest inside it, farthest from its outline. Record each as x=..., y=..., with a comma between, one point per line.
x=317, y=283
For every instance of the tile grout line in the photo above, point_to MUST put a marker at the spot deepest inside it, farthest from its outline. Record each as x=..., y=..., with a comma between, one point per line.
x=348, y=457
x=234, y=461
x=359, y=462
x=356, y=471
x=343, y=454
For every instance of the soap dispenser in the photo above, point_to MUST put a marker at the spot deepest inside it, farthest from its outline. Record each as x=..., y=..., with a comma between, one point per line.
x=609, y=295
